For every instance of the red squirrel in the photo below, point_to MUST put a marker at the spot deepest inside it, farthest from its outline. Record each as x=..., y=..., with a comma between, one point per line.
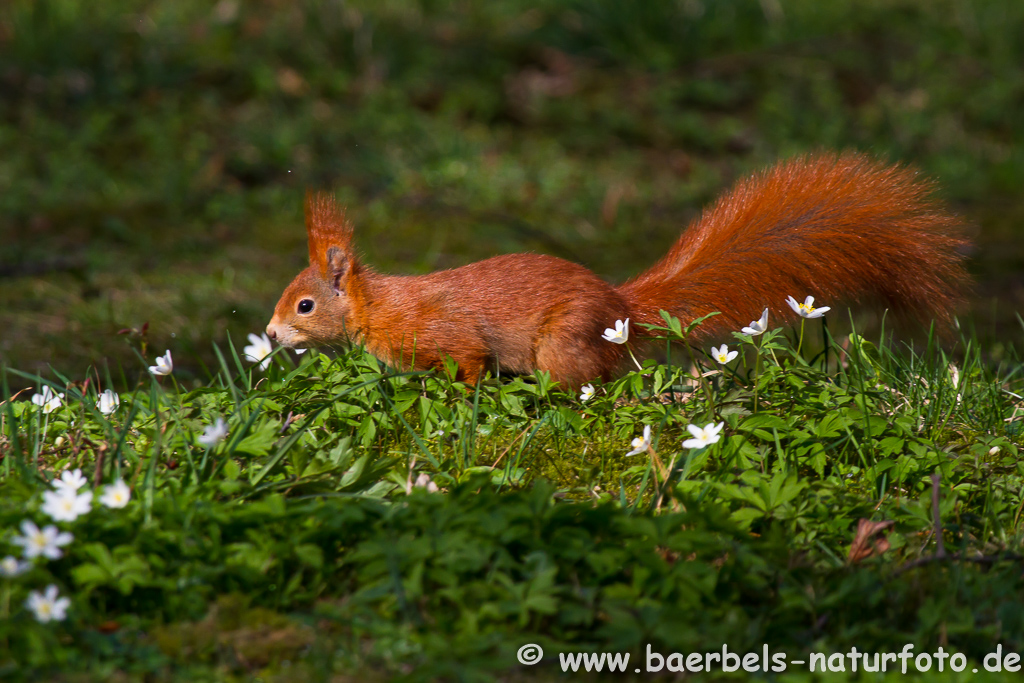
x=833, y=226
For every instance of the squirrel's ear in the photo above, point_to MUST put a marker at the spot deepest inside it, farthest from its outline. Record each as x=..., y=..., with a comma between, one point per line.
x=337, y=268
x=328, y=230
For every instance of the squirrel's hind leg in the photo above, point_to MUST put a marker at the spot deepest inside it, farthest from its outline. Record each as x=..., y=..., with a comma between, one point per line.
x=569, y=344
x=573, y=362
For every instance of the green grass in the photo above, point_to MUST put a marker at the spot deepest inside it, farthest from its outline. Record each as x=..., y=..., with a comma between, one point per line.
x=294, y=549
x=155, y=156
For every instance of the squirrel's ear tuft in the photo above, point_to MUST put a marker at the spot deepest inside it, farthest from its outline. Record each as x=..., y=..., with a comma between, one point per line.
x=328, y=230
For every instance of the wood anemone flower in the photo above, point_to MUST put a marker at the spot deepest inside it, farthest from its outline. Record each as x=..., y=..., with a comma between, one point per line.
x=46, y=541
x=11, y=566
x=70, y=480
x=807, y=309
x=618, y=335
x=258, y=350
x=723, y=355
x=704, y=437
x=108, y=403
x=116, y=495
x=47, y=606
x=164, y=365
x=66, y=504
x=757, y=327
x=214, y=433
x=641, y=444
x=47, y=400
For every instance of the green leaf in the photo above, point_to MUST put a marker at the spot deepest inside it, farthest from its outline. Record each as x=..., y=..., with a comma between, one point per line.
x=260, y=439
x=310, y=555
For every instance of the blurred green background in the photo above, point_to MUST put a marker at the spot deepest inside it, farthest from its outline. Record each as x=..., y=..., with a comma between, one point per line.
x=154, y=155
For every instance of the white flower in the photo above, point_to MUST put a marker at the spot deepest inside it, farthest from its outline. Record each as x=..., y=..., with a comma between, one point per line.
x=757, y=326
x=116, y=495
x=619, y=335
x=164, y=365
x=704, y=437
x=258, y=350
x=46, y=398
x=45, y=542
x=213, y=434
x=424, y=482
x=586, y=392
x=806, y=309
x=109, y=401
x=299, y=352
x=11, y=566
x=48, y=607
x=641, y=444
x=993, y=450
x=70, y=480
x=65, y=505
x=723, y=355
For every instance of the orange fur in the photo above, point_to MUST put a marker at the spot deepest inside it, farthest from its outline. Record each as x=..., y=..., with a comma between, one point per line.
x=326, y=226
x=837, y=227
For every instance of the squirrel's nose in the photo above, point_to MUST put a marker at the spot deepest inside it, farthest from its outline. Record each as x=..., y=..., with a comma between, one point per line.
x=272, y=332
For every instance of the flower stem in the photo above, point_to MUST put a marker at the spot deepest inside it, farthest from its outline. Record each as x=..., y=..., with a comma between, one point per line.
x=757, y=367
x=826, y=340
x=635, y=361
x=700, y=378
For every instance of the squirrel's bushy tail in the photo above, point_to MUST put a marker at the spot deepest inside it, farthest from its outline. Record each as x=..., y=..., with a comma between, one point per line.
x=838, y=227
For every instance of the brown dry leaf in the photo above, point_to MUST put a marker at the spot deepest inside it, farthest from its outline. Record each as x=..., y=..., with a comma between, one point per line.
x=870, y=540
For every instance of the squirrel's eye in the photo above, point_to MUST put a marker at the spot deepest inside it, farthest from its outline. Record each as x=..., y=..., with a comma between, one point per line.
x=305, y=306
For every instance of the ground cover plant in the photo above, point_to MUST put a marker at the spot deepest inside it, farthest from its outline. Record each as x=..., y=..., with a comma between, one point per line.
x=312, y=517
x=323, y=517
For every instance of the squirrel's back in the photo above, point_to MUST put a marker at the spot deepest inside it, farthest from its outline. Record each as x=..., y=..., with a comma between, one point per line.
x=505, y=312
